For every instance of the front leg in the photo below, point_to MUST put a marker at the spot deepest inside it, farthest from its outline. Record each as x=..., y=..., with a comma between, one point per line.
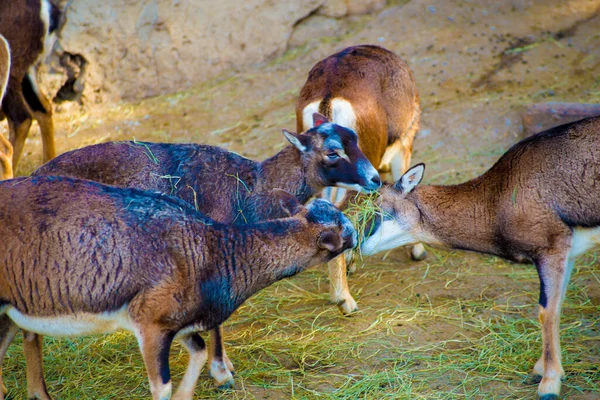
x=554, y=272
x=197, y=350
x=221, y=369
x=155, y=344
x=8, y=330
x=32, y=347
x=338, y=285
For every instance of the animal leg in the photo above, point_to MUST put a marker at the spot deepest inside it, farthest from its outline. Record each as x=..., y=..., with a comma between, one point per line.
x=155, y=345
x=221, y=369
x=32, y=347
x=6, y=155
x=19, y=119
x=554, y=272
x=42, y=112
x=8, y=330
x=197, y=350
x=339, y=293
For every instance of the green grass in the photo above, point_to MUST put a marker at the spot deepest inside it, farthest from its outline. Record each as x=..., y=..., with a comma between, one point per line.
x=456, y=326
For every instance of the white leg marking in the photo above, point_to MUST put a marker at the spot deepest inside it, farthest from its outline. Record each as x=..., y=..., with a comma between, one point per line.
x=190, y=378
x=342, y=113
x=307, y=114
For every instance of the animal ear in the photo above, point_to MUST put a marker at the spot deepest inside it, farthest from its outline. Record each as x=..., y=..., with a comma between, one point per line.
x=319, y=119
x=288, y=202
x=330, y=241
x=410, y=179
x=295, y=139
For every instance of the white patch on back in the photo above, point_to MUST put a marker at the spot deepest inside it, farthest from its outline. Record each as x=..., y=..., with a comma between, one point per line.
x=343, y=114
x=80, y=324
x=388, y=236
x=307, y=114
x=583, y=240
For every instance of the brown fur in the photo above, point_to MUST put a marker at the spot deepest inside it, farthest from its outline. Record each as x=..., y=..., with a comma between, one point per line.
x=528, y=207
x=381, y=89
x=225, y=186
x=81, y=247
x=26, y=32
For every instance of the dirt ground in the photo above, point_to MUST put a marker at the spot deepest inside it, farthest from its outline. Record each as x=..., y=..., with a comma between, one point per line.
x=477, y=64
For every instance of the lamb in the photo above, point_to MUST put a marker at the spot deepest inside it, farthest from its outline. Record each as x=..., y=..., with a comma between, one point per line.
x=28, y=26
x=78, y=258
x=539, y=203
x=372, y=91
x=225, y=186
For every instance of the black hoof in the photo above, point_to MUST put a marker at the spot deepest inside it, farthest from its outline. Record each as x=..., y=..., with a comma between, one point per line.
x=549, y=397
x=418, y=257
x=227, y=385
x=533, y=379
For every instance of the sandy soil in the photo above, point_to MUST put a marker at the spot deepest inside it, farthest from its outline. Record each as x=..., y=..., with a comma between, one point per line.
x=477, y=64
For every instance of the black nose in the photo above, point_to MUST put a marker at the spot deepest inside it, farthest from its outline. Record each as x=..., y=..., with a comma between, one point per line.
x=376, y=180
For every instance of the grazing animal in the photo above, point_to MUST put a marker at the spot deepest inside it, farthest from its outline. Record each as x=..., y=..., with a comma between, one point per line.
x=226, y=186
x=27, y=25
x=539, y=203
x=372, y=91
x=6, y=171
x=80, y=258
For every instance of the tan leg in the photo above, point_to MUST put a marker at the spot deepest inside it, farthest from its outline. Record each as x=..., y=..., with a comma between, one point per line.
x=197, y=350
x=339, y=293
x=6, y=155
x=32, y=347
x=18, y=134
x=554, y=272
x=47, y=133
x=155, y=345
x=8, y=330
x=220, y=367
x=41, y=108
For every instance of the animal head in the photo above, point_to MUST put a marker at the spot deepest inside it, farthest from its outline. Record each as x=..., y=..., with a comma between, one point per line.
x=332, y=230
x=332, y=157
x=398, y=221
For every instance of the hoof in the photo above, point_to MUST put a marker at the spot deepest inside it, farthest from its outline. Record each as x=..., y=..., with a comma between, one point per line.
x=533, y=379
x=227, y=385
x=418, y=252
x=549, y=397
x=347, y=307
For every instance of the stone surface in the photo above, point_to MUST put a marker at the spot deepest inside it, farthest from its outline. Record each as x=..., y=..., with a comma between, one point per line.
x=137, y=49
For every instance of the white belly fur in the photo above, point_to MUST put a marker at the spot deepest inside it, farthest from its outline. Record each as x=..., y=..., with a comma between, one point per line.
x=73, y=325
x=583, y=240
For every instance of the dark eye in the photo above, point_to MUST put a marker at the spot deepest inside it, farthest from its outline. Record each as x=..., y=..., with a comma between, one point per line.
x=333, y=156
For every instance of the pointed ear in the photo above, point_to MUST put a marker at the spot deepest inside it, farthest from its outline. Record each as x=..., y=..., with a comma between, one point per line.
x=295, y=139
x=319, y=119
x=288, y=202
x=410, y=179
x=330, y=241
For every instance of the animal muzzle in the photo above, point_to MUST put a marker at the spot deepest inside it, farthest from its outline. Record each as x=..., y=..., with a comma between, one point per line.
x=372, y=181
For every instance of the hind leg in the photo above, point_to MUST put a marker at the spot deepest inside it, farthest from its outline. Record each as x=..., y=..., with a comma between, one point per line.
x=197, y=350
x=6, y=155
x=32, y=347
x=220, y=367
x=8, y=330
x=42, y=112
x=19, y=119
